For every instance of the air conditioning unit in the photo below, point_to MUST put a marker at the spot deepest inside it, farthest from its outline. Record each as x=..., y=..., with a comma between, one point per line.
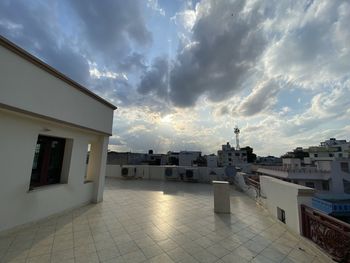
x=129, y=172
x=170, y=174
x=191, y=175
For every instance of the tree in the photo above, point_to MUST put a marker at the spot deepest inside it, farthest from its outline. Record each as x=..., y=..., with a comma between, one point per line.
x=251, y=157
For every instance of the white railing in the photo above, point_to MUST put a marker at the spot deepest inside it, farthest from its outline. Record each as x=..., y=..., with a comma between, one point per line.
x=294, y=170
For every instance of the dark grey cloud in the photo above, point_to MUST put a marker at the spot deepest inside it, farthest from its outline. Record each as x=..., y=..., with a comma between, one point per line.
x=225, y=45
x=133, y=62
x=109, y=26
x=37, y=31
x=155, y=79
x=123, y=94
x=262, y=97
x=69, y=34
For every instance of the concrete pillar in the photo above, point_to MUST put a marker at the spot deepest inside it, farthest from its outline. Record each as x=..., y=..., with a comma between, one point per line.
x=221, y=197
x=98, y=158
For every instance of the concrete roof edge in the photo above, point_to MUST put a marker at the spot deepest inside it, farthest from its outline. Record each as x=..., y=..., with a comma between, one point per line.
x=36, y=61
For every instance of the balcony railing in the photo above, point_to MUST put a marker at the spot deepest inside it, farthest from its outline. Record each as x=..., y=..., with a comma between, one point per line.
x=309, y=170
x=253, y=183
x=331, y=234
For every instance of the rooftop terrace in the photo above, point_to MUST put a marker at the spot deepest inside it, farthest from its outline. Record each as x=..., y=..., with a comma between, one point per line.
x=156, y=221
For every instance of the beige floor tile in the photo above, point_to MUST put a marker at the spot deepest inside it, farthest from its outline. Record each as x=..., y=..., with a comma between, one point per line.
x=127, y=247
x=234, y=258
x=205, y=257
x=167, y=244
x=39, y=259
x=62, y=255
x=108, y=253
x=162, y=258
x=134, y=257
x=218, y=250
x=152, y=251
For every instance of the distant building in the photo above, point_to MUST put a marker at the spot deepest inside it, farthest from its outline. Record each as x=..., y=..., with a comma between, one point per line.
x=124, y=158
x=328, y=150
x=326, y=176
x=188, y=158
x=173, y=158
x=269, y=160
x=212, y=160
x=229, y=156
x=324, y=168
x=155, y=159
x=129, y=158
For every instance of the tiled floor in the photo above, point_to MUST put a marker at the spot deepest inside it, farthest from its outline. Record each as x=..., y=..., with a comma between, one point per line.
x=151, y=221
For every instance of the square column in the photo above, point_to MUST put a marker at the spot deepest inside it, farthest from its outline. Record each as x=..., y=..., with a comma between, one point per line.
x=98, y=159
x=221, y=197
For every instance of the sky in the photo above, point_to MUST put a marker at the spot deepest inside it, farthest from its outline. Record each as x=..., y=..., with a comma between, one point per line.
x=184, y=73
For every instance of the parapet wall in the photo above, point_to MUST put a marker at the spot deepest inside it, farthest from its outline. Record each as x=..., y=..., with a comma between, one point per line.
x=150, y=172
x=285, y=198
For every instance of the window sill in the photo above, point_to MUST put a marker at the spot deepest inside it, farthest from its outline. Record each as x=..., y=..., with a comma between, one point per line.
x=45, y=187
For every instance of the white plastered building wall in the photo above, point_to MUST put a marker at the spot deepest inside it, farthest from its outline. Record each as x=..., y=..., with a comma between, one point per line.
x=36, y=100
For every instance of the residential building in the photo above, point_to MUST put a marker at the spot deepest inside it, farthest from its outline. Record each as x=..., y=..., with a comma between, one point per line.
x=268, y=160
x=173, y=158
x=212, y=160
x=129, y=158
x=155, y=158
x=229, y=156
x=328, y=150
x=326, y=176
x=124, y=158
x=48, y=123
x=188, y=158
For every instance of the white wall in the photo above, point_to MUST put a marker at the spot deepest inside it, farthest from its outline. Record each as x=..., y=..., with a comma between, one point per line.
x=113, y=170
x=153, y=172
x=19, y=135
x=240, y=182
x=323, y=165
x=28, y=87
x=288, y=197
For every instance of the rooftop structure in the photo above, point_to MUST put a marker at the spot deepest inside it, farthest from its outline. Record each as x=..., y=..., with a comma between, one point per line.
x=188, y=158
x=49, y=123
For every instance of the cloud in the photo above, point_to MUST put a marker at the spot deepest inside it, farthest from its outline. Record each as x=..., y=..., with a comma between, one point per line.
x=312, y=47
x=326, y=107
x=155, y=80
x=154, y=5
x=85, y=40
x=225, y=45
x=133, y=62
x=186, y=18
x=262, y=98
x=47, y=42
x=109, y=26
